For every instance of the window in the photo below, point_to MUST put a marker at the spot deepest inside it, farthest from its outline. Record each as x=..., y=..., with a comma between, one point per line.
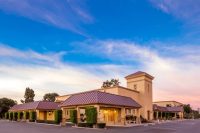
x=135, y=87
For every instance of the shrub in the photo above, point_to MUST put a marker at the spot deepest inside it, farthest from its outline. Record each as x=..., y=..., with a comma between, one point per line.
x=26, y=115
x=58, y=116
x=73, y=116
x=32, y=116
x=20, y=115
x=10, y=115
x=101, y=125
x=15, y=116
x=91, y=115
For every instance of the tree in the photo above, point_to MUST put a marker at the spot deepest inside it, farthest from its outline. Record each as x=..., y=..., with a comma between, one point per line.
x=5, y=105
x=111, y=83
x=187, y=109
x=28, y=96
x=50, y=97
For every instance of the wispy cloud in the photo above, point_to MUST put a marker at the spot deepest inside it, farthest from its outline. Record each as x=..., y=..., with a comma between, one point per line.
x=176, y=73
x=187, y=10
x=176, y=69
x=65, y=14
x=48, y=73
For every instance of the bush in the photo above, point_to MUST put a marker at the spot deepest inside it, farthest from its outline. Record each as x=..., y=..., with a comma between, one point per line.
x=58, y=116
x=89, y=125
x=32, y=116
x=10, y=115
x=91, y=115
x=15, y=116
x=20, y=115
x=101, y=125
x=26, y=115
x=73, y=116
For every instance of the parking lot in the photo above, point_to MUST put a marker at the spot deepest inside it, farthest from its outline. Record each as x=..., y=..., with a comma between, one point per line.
x=187, y=126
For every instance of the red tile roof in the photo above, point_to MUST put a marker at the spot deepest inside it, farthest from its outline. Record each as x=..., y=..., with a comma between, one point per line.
x=167, y=109
x=40, y=105
x=97, y=97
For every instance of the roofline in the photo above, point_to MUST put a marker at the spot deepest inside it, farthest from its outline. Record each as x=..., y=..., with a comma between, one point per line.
x=100, y=104
x=138, y=75
x=168, y=101
x=98, y=90
x=31, y=108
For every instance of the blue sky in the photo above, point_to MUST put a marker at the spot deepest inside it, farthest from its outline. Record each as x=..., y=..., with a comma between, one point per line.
x=74, y=45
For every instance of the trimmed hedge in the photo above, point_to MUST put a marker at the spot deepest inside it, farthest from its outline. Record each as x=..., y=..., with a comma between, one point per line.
x=15, y=116
x=32, y=116
x=26, y=115
x=91, y=115
x=73, y=116
x=101, y=125
x=20, y=115
x=58, y=116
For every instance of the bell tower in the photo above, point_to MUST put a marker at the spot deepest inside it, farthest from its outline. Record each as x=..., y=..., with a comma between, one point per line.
x=142, y=82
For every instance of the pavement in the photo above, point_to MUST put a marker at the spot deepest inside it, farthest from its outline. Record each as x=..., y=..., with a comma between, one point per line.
x=187, y=126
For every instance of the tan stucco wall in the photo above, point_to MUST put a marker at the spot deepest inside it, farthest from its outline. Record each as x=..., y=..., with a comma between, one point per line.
x=145, y=98
x=49, y=116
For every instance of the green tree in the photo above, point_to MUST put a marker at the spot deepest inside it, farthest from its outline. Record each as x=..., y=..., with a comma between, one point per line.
x=111, y=83
x=5, y=105
x=187, y=109
x=50, y=97
x=28, y=96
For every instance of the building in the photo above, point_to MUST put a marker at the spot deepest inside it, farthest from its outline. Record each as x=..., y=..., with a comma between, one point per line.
x=44, y=111
x=116, y=105
x=167, y=110
x=138, y=92
x=111, y=108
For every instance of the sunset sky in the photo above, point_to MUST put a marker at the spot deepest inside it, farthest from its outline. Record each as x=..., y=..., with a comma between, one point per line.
x=68, y=46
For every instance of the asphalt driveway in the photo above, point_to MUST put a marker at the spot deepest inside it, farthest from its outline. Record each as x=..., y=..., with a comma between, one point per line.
x=188, y=126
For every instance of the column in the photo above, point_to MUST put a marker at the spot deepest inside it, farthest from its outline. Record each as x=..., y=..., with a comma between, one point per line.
x=63, y=117
x=157, y=115
x=98, y=113
x=175, y=115
x=78, y=114
x=123, y=116
x=138, y=121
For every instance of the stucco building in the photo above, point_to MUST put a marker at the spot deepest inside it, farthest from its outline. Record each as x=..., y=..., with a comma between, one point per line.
x=167, y=110
x=138, y=89
x=44, y=111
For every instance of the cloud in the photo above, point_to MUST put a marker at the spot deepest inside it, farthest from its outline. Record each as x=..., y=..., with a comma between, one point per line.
x=48, y=73
x=188, y=11
x=66, y=14
x=176, y=69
